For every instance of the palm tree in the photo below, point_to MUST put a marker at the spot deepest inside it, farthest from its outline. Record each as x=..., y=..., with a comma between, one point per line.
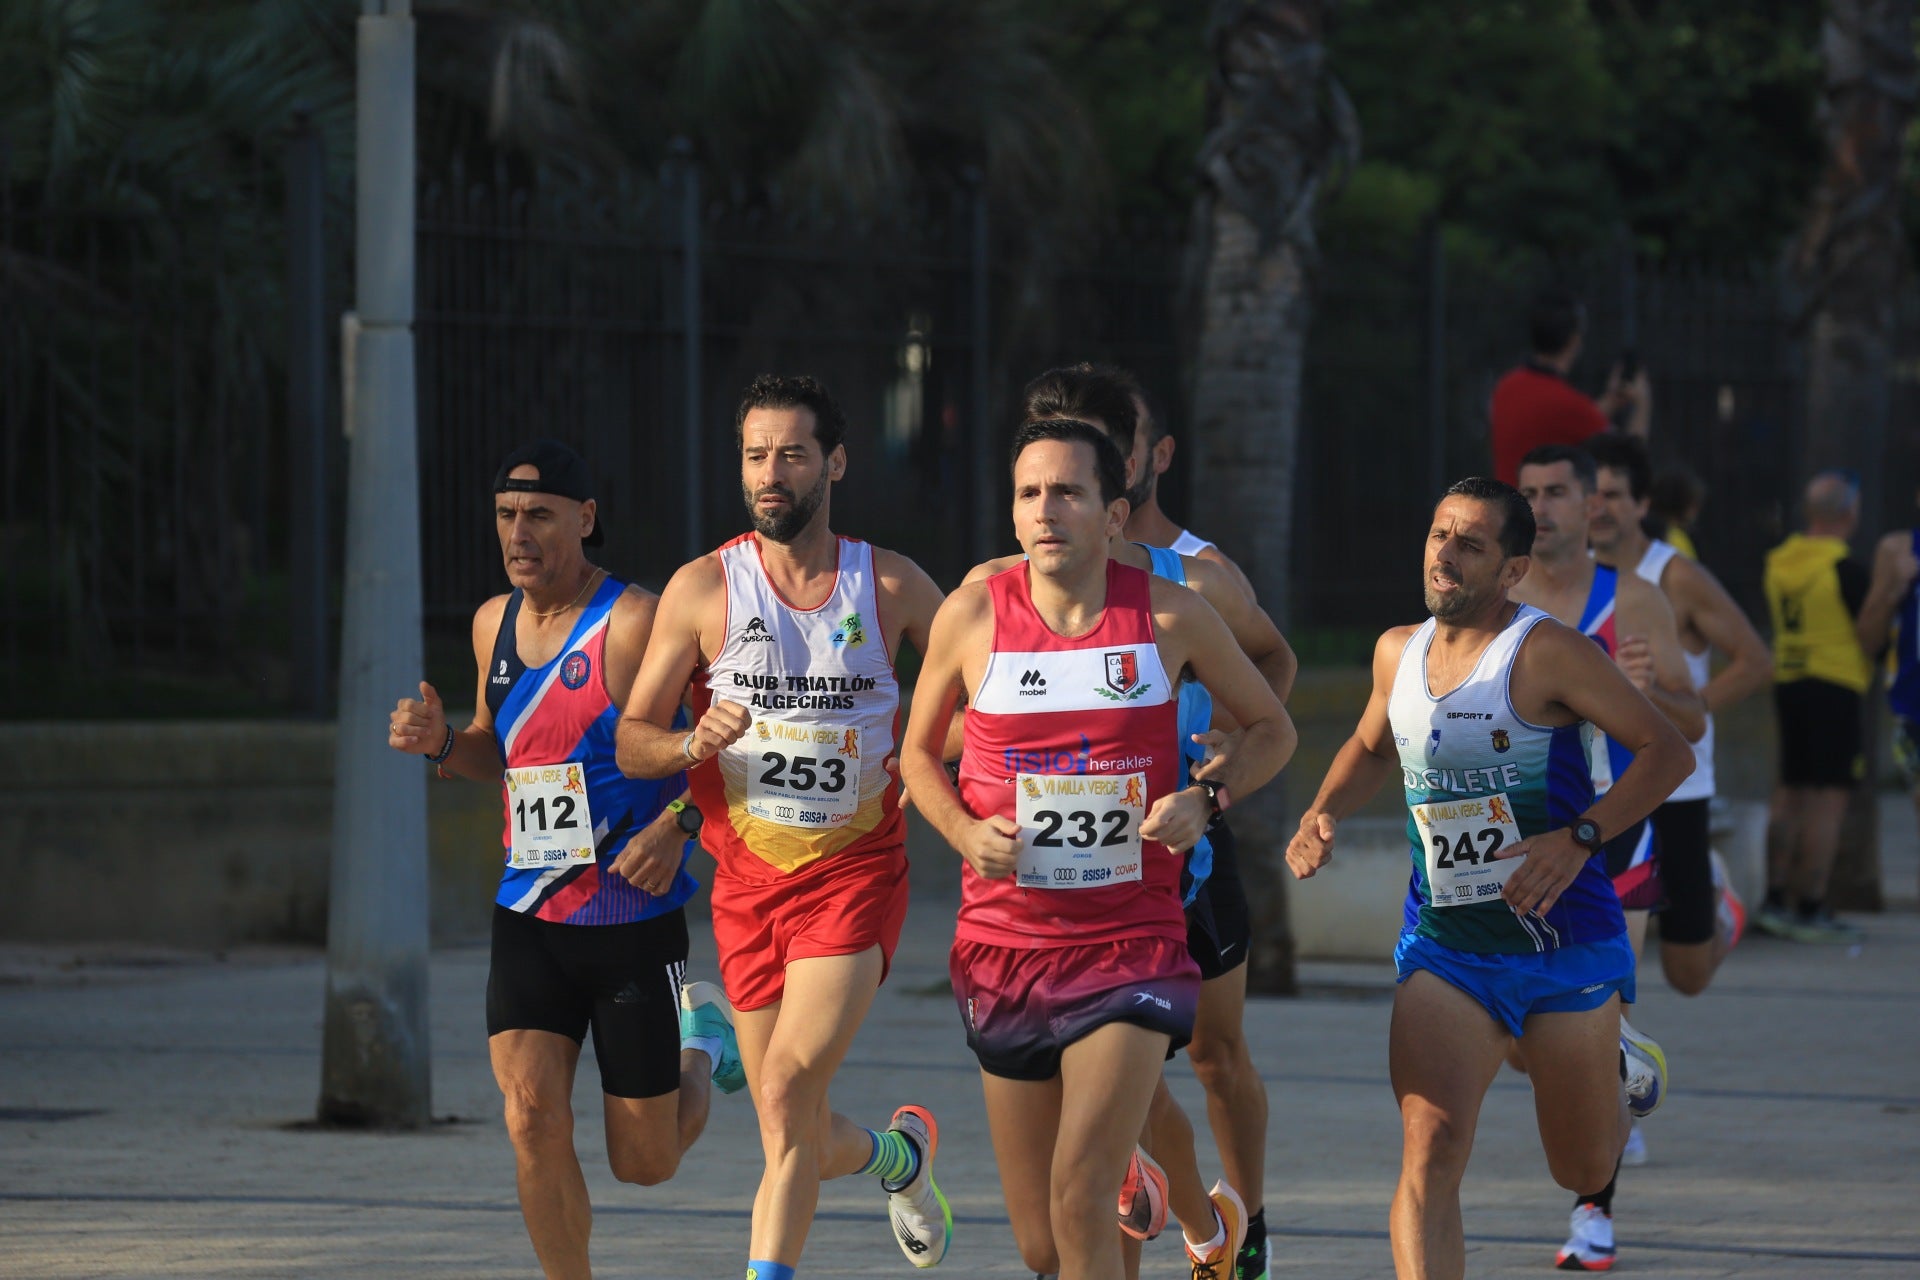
x=1279, y=128
x=1851, y=263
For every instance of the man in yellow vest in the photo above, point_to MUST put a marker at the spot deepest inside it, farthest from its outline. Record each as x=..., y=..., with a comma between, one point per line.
x=1815, y=589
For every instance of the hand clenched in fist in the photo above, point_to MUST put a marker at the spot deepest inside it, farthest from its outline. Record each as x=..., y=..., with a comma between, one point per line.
x=418, y=726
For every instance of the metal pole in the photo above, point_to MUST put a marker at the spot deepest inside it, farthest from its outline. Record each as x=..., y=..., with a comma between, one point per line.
x=984, y=489
x=306, y=417
x=1436, y=360
x=693, y=476
x=374, y=1067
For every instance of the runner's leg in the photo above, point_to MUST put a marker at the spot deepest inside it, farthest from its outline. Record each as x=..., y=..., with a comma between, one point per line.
x=535, y=1070
x=791, y=1049
x=1443, y=1051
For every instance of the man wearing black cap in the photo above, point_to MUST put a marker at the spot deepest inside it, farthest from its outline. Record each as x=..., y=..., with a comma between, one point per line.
x=588, y=925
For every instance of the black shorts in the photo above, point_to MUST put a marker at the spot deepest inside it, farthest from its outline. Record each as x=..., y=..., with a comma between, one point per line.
x=1219, y=927
x=623, y=980
x=1819, y=733
x=1684, y=832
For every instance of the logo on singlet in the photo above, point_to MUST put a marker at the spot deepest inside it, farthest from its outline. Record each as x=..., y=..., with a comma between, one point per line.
x=756, y=632
x=574, y=671
x=851, y=632
x=1033, y=684
x=500, y=677
x=1123, y=677
x=1501, y=742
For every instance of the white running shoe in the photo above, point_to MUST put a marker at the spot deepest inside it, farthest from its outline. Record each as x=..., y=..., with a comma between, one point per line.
x=1589, y=1245
x=1645, y=1074
x=922, y=1219
x=1634, y=1154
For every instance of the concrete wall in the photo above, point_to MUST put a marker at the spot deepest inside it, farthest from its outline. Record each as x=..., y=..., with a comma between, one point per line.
x=210, y=833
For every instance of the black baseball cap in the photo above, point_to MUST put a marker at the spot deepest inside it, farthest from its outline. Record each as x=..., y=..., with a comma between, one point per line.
x=562, y=472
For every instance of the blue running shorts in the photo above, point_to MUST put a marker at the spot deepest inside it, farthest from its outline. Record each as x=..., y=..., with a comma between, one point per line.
x=1514, y=987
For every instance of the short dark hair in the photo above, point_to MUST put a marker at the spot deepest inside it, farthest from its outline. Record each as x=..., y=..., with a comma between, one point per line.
x=1580, y=460
x=1674, y=492
x=1088, y=393
x=793, y=391
x=1109, y=464
x=1516, y=514
x=1627, y=455
x=1554, y=319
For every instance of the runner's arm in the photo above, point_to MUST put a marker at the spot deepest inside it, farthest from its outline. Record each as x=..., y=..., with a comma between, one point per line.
x=1560, y=676
x=1362, y=764
x=1893, y=573
x=1267, y=736
x=1644, y=611
x=1252, y=629
x=1716, y=617
x=911, y=597
x=645, y=743
x=420, y=724
x=963, y=625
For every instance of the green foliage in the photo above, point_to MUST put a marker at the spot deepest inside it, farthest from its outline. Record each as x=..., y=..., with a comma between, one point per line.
x=1548, y=124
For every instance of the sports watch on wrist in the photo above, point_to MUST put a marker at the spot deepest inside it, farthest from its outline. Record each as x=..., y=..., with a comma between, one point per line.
x=685, y=816
x=1586, y=834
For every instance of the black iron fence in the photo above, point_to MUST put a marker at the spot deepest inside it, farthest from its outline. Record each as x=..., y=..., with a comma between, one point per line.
x=153, y=463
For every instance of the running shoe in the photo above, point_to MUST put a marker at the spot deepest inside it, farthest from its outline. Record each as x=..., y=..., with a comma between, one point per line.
x=1777, y=921
x=1732, y=911
x=1143, y=1197
x=1218, y=1262
x=1821, y=927
x=704, y=1011
x=1634, y=1154
x=1251, y=1264
x=922, y=1219
x=1645, y=1071
x=1589, y=1245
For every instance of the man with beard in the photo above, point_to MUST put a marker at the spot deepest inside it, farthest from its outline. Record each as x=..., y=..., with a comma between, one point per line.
x=788, y=635
x=1514, y=934
x=1632, y=623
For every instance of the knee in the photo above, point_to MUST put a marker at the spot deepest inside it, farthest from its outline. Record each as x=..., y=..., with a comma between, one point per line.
x=1437, y=1145
x=1081, y=1205
x=535, y=1123
x=1220, y=1059
x=646, y=1165
x=789, y=1107
x=1040, y=1257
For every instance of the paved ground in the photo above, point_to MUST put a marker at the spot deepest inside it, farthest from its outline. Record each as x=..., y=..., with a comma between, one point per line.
x=146, y=1098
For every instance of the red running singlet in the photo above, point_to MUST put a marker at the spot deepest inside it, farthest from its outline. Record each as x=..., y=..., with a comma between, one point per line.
x=1075, y=738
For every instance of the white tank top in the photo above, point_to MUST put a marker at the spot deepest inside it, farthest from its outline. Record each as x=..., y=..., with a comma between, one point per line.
x=1190, y=543
x=1699, y=666
x=808, y=779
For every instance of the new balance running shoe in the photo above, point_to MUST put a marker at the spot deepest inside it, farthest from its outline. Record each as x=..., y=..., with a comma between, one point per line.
x=1217, y=1263
x=922, y=1220
x=1589, y=1245
x=704, y=1011
x=1143, y=1197
x=1645, y=1071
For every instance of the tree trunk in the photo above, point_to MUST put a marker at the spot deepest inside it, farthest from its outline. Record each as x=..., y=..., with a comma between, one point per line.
x=1275, y=126
x=1850, y=262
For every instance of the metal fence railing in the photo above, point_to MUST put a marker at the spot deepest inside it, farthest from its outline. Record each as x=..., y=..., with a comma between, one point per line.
x=151, y=471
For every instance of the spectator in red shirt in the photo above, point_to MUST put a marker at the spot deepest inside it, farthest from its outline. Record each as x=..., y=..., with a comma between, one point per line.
x=1535, y=404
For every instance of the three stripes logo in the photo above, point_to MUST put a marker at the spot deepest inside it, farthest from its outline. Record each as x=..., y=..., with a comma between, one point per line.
x=1032, y=684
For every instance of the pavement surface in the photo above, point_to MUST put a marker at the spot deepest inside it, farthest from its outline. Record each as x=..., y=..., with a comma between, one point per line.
x=151, y=1109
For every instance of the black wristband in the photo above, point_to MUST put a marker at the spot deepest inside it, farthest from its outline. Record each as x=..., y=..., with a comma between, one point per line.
x=445, y=750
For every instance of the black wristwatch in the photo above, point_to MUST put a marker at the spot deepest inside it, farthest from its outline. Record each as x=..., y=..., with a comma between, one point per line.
x=685, y=816
x=1586, y=834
